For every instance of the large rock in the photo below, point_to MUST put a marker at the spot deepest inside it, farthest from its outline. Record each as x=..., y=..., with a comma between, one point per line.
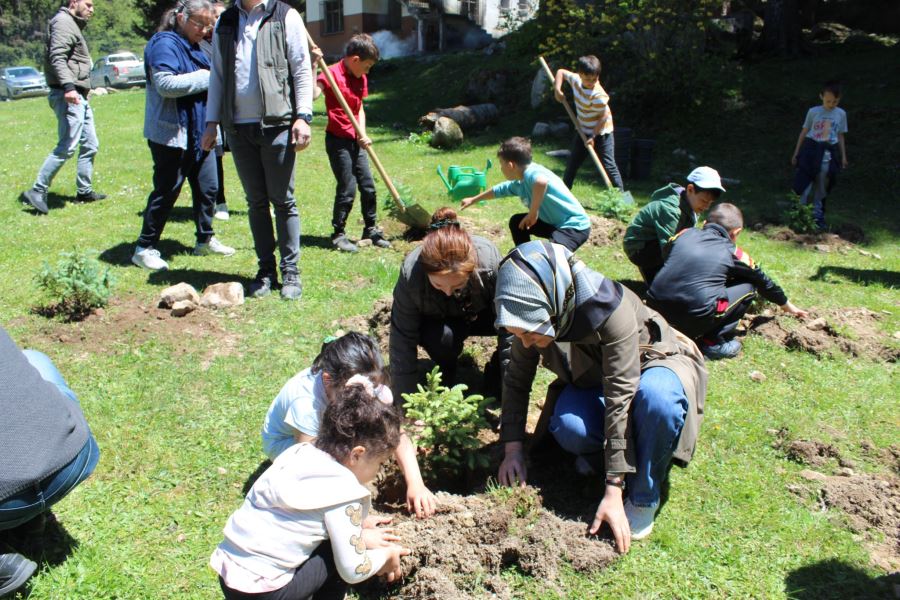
x=183, y=307
x=540, y=88
x=540, y=130
x=222, y=295
x=177, y=293
x=447, y=134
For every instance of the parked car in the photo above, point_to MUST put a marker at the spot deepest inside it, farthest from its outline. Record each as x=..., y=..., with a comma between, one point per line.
x=21, y=82
x=118, y=70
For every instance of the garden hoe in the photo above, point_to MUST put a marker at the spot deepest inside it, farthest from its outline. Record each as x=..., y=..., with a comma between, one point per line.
x=409, y=213
x=626, y=196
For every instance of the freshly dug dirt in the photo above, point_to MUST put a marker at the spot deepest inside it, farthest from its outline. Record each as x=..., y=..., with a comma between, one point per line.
x=460, y=552
x=851, y=331
x=841, y=240
x=606, y=232
x=810, y=452
x=378, y=324
x=127, y=323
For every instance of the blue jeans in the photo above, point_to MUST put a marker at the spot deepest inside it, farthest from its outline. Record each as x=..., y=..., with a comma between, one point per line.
x=75, y=128
x=264, y=159
x=26, y=505
x=658, y=411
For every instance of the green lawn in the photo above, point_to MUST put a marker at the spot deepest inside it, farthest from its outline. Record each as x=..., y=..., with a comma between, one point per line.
x=177, y=413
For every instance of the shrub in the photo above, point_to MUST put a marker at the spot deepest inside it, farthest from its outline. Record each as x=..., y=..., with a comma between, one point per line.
x=446, y=423
x=76, y=285
x=611, y=204
x=799, y=217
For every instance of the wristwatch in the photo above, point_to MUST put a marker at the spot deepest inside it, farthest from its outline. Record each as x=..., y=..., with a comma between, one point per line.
x=306, y=117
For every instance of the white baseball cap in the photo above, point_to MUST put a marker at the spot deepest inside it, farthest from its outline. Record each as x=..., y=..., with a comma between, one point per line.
x=706, y=178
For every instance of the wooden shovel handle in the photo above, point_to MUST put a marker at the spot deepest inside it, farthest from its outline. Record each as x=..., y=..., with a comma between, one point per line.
x=340, y=96
x=583, y=137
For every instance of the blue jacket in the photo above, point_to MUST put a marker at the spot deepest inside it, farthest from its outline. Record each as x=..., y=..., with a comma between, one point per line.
x=177, y=80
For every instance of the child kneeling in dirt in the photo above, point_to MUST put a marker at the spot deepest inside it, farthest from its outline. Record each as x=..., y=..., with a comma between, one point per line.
x=707, y=283
x=296, y=413
x=315, y=492
x=346, y=149
x=553, y=211
x=671, y=209
x=820, y=152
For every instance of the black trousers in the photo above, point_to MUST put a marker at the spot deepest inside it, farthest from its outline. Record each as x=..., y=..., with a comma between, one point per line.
x=443, y=339
x=718, y=326
x=171, y=167
x=317, y=578
x=350, y=166
x=570, y=238
x=648, y=260
x=604, y=146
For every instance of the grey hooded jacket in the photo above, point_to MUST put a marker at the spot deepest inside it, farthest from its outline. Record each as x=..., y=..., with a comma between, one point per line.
x=67, y=62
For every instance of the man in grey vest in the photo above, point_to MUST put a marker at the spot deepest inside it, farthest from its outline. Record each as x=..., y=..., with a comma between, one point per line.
x=67, y=66
x=47, y=450
x=261, y=91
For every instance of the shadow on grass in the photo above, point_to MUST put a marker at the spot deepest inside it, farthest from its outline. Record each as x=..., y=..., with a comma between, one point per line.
x=317, y=241
x=835, y=579
x=865, y=277
x=185, y=214
x=52, y=546
x=251, y=479
x=196, y=277
x=120, y=254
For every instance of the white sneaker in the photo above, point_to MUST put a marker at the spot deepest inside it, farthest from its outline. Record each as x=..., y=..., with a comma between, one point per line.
x=640, y=519
x=148, y=258
x=221, y=212
x=214, y=246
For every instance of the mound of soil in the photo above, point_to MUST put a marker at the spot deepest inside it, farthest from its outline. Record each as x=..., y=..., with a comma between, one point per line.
x=851, y=331
x=127, y=323
x=606, y=232
x=378, y=324
x=810, y=452
x=841, y=240
x=460, y=552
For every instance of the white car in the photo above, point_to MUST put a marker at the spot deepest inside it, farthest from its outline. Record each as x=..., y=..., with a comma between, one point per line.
x=22, y=82
x=118, y=70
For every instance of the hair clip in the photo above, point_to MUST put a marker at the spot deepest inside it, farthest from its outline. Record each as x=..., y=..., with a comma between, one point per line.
x=441, y=223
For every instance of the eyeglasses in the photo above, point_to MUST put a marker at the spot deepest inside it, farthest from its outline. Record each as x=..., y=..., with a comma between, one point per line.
x=201, y=26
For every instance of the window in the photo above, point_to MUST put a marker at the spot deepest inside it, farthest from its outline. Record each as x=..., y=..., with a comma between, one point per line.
x=333, y=16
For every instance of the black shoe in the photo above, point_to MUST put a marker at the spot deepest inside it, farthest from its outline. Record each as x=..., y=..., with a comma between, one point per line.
x=15, y=570
x=89, y=197
x=377, y=237
x=342, y=243
x=290, y=287
x=263, y=284
x=37, y=200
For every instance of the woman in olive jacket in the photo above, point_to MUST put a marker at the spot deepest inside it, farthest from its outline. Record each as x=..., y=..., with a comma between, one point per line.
x=629, y=395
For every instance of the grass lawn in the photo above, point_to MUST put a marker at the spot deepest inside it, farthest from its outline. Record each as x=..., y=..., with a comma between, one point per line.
x=176, y=406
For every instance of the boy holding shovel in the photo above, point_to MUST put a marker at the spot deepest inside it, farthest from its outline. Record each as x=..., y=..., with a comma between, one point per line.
x=594, y=118
x=345, y=150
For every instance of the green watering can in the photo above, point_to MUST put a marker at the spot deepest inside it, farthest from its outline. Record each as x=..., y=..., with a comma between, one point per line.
x=463, y=182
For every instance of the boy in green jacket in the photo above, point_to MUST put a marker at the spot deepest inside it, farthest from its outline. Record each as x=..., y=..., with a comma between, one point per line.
x=671, y=209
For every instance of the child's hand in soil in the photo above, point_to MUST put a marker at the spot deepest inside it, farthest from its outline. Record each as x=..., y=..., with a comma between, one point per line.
x=512, y=470
x=379, y=538
x=790, y=309
x=373, y=521
x=612, y=511
x=420, y=500
x=391, y=569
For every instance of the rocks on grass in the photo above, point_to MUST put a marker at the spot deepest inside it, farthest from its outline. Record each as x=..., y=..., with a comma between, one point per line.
x=177, y=293
x=183, y=307
x=447, y=134
x=222, y=295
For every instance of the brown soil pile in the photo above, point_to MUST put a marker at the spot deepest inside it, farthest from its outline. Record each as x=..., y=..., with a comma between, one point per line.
x=851, y=331
x=606, y=232
x=871, y=503
x=126, y=324
x=841, y=240
x=378, y=324
x=810, y=452
x=460, y=552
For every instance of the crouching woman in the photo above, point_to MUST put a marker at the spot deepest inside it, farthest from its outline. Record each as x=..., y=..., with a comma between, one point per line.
x=628, y=398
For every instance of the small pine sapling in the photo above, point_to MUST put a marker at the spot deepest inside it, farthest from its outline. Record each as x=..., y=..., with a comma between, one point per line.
x=76, y=285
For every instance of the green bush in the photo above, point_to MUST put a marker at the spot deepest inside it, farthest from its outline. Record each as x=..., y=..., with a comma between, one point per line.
x=76, y=285
x=446, y=425
x=611, y=204
x=799, y=217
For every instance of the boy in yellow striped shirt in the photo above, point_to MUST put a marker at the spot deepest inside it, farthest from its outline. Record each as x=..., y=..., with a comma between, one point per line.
x=594, y=118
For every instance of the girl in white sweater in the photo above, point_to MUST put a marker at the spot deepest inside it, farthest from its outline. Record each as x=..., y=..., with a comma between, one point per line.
x=273, y=546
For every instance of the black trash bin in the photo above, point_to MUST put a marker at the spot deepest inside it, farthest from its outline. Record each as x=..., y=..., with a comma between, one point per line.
x=642, y=158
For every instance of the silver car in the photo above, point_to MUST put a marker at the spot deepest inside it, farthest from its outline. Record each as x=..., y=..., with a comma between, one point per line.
x=118, y=70
x=22, y=82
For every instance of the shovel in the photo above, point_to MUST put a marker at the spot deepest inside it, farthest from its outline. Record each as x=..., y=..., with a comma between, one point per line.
x=626, y=196
x=412, y=214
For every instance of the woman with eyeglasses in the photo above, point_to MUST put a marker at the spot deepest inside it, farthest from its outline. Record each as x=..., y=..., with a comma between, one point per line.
x=445, y=293
x=177, y=72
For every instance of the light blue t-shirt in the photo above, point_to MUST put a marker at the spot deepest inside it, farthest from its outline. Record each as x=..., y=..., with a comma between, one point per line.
x=297, y=407
x=824, y=125
x=560, y=207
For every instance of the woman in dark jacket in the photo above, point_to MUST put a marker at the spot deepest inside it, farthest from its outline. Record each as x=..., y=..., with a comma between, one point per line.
x=630, y=389
x=174, y=121
x=444, y=294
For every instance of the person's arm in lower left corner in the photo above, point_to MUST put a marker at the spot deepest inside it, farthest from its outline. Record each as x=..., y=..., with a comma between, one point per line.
x=419, y=499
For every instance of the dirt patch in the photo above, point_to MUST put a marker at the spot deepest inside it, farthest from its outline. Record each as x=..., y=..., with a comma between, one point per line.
x=810, y=452
x=605, y=232
x=461, y=551
x=853, y=331
x=377, y=324
x=841, y=240
x=872, y=506
x=128, y=323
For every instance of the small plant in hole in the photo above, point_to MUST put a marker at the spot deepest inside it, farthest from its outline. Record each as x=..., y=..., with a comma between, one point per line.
x=611, y=204
x=76, y=285
x=799, y=217
x=446, y=423
x=423, y=138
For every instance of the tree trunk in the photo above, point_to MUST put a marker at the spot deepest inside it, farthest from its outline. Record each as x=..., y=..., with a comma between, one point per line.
x=781, y=32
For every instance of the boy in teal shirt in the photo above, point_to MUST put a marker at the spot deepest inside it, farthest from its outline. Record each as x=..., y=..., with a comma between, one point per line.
x=553, y=211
